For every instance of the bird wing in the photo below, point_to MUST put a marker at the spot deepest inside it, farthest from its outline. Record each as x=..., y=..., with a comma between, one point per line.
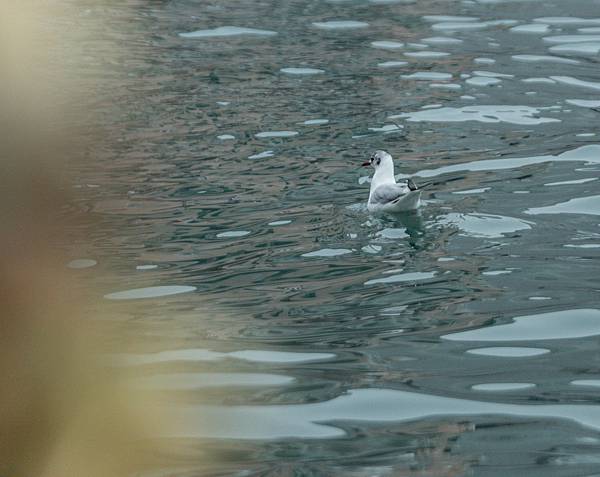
x=388, y=193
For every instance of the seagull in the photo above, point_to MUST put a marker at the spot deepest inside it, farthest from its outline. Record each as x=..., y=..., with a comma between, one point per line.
x=386, y=195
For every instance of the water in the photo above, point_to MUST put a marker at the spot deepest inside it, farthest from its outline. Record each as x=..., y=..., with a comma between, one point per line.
x=458, y=341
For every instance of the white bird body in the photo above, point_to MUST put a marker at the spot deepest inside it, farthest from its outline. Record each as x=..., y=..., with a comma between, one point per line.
x=386, y=195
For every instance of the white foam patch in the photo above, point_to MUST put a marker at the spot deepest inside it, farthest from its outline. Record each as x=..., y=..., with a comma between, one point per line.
x=533, y=28
x=268, y=134
x=315, y=122
x=225, y=31
x=579, y=49
x=387, y=45
x=544, y=59
x=525, y=115
x=82, y=263
x=402, y=277
x=191, y=381
x=150, y=292
x=484, y=225
x=584, y=245
x=392, y=64
x=589, y=154
x=500, y=387
x=301, y=71
x=494, y=273
x=262, y=155
x=340, y=24
x=277, y=223
x=575, y=181
x=225, y=137
x=426, y=54
x=581, y=205
x=509, y=352
x=584, y=103
x=428, y=76
x=442, y=40
x=327, y=252
x=146, y=267
x=280, y=421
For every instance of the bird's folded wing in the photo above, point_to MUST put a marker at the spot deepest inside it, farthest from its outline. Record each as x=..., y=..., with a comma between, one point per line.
x=388, y=193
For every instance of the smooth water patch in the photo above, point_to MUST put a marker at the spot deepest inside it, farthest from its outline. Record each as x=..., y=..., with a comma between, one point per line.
x=428, y=76
x=327, y=252
x=586, y=382
x=269, y=134
x=199, y=354
x=482, y=81
x=340, y=24
x=562, y=39
x=387, y=45
x=579, y=49
x=82, y=263
x=442, y=40
x=566, y=324
x=472, y=191
x=301, y=71
x=484, y=61
x=567, y=21
x=150, y=292
x=146, y=267
x=191, y=381
x=233, y=234
x=589, y=154
x=225, y=31
x=581, y=205
x=426, y=54
x=392, y=64
x=484, y=225
x=363, y=405
x=584, y=103
x=524, y=115
x=509, y=351
x=393, y=233
x=403, y=277
x=534, y=28
x=544, y=59
x=315, y=122
x=499, y=387
x=571, y=81
x=262, y=155
x=574, y=181
x=449, y=18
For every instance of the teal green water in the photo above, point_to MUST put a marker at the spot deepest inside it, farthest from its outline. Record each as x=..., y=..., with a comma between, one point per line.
x=232, y=207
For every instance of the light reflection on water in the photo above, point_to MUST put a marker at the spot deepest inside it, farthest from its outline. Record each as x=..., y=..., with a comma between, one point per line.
x=221, y=178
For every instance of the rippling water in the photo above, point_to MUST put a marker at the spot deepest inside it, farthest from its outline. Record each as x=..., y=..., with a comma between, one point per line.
x=458, y=341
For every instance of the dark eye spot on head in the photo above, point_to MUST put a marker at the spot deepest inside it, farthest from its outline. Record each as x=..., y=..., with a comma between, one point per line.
x=378, y=161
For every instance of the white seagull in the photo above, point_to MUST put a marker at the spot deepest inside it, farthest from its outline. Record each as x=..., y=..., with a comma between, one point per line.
x=386, y=194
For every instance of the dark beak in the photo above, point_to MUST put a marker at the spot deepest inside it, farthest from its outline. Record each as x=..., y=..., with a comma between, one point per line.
x=366, y=164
